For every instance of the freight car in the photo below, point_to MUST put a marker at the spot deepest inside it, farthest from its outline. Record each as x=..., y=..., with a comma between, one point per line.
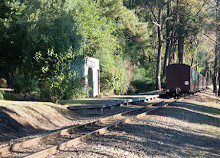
x=182, y=78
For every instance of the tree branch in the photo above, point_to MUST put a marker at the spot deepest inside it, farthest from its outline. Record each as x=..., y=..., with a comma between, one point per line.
x=153, y=14
x=200, y=9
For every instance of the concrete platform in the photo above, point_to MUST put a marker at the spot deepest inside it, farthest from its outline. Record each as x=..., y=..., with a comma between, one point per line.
x=98, y=108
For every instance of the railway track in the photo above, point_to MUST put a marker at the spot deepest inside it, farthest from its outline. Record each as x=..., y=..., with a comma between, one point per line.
x=52, y=143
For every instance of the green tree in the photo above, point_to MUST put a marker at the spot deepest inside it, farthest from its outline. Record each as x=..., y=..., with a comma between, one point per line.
x=12, y=31
x=217, y=51
x=44, y=39
x=113, y=34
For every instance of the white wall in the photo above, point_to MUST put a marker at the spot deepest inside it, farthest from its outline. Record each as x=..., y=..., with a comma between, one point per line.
x=94, y=64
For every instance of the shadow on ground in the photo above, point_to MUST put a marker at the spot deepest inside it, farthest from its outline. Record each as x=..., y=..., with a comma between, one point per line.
x=193, y=113
x=165, y=142
x=151, y=140
x=155, y=141
x=10, y=128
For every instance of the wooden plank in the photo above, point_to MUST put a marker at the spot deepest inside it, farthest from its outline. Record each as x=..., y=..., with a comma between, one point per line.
x=105, y=105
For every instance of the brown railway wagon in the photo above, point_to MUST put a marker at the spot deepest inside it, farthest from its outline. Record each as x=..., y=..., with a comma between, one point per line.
x=181, y=78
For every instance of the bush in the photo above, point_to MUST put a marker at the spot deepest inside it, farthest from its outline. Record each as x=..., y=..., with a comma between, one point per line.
x=163, y=83
x=113, y=75
x=143, y=85
x=1, y=95
x=43, y=38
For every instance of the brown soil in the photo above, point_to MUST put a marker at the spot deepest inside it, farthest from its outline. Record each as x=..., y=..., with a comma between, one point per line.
x=21, y=118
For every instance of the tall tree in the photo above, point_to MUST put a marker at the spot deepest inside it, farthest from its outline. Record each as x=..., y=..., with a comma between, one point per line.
x=179, y=22
x=170, y=52
x=217, y=51
x=181, y=33
x=168, y=38
x=215, y=76
x=159, y=20
x=189, y=23
x=155, y=11
x=160, y=39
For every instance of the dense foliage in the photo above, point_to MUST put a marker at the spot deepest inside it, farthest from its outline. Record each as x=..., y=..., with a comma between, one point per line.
x=180, y=30
x=41, y=40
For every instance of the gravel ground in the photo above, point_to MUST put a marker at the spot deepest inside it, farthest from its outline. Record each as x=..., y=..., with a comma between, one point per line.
x=21, y=121
x=189, y=128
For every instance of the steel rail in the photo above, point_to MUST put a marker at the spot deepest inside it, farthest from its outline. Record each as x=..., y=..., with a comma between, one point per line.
x=75, y=141
x=15, y=147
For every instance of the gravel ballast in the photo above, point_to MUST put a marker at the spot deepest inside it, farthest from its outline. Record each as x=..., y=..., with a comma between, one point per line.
x=21, y=121
x=189, y=128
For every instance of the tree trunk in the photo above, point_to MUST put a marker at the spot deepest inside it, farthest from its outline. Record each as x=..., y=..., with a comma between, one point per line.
x=173, y=49
x=217, y=52
x=181, y=41
x=209, y=78
x=168, y=40
x=181, y=32
x=219, y=82
x=217, y=43
x=160, y=38
x=215, y=76
x=207, y=70
x=172, y=42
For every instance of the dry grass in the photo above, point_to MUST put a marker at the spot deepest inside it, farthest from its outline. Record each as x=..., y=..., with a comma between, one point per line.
x=39, y=115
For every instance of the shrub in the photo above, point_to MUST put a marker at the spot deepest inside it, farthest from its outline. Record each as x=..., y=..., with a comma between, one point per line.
x=143, y=85
x=1, y=95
